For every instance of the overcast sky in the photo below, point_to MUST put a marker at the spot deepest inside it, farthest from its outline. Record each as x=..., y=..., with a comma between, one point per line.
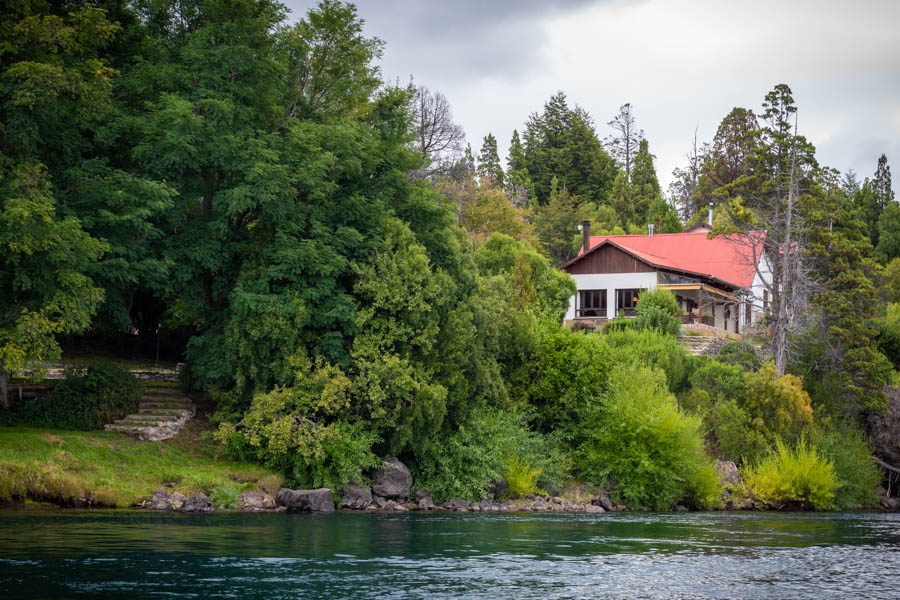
x=682, y=64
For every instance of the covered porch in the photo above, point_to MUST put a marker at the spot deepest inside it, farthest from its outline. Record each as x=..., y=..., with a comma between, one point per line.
x=706, y=304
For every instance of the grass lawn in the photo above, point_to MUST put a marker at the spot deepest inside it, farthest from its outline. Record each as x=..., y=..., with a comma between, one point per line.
x=113, y=469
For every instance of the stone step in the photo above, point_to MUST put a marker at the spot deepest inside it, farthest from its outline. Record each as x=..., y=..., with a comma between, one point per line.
x=162, y=391
x=124, y=427
x=150, y=419
x=165, y=404
x=180, y=414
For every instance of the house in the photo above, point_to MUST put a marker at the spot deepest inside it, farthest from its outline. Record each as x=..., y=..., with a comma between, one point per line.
x=717, y=281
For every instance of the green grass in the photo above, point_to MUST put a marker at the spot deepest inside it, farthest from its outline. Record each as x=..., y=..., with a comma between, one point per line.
x=109, y=468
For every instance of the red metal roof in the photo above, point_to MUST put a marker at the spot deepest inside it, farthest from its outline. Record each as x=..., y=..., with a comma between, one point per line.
x=721, y=257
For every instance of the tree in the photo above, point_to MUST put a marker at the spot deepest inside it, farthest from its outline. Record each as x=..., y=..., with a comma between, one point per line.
x=644, y=184
x=437, y=137
x=519, y=187
x=556, y=225
x=624, y=145
x=561, y=143
x=732, y=156
x=489, y=169
x=683, y=189
x=55, y=89
x=889, y=233
x=44, y=292
x=873, y=197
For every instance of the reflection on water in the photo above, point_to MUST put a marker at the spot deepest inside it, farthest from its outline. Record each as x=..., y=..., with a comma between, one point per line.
x=120, y=554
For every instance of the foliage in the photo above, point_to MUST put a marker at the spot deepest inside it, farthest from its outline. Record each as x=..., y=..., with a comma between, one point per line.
x=653, y=349
x=561, y=144
x=302, y=431
x=555, y=223
x=490, y=212
x=489, y=170
x=891, y=286
x=746, y=413
x=888, y=328
x=740, y=353
x=639, y=438
x=658, y=309
x=846, y=448
x=572, y=375
x=488, y=444
x=888, y=247
x=793, y=477
x=521, y=478
x=87, y=399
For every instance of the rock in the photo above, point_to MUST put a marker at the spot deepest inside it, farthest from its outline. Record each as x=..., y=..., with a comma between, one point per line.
x=591, y=508
x=420, y=495
x=197, y=503
x=603, y=501
x=356, y=496
x=380, y=503
x=884, y=428
x=159, y=501
x=680, y=508
x=498, y=488
x=392, y=480
x=177, y=500
x=306, y=501
x=426, y=503
x=728, y=473
x=456, y=504
x=255, y=501
x=890, y=503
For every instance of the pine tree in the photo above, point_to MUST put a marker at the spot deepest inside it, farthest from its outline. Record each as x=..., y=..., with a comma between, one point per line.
x=489, y=169
x=624, y=145
x=644, y=184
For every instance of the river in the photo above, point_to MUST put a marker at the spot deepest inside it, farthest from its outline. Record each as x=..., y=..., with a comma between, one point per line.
x=132, y=554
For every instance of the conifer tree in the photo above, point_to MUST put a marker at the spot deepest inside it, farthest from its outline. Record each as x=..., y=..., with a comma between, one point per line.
x=489, y=169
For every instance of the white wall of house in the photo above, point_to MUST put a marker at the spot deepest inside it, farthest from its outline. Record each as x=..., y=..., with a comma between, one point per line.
x=610, y=282
x=755, y=297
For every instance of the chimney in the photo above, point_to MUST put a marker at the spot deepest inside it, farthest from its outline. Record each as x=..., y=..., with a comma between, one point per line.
x=650, y=229
x=710, y=213
x=586, y=235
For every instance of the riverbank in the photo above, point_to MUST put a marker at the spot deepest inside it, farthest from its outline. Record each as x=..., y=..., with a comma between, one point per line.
x=105, y=468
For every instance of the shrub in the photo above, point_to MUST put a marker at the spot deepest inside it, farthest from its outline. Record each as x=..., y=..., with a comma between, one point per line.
x=857, y=473
x=521, y=478
x=656, y=350
x=618, y=325
x=88, y=398
x=793, y=477
x=303, y=432
x=745, y=413
x=573, y=372
x=488, y=444
x=740, y=353
x=641, y=439
x=658, y=310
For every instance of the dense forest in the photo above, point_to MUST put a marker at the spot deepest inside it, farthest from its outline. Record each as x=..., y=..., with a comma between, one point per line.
x=348, y=279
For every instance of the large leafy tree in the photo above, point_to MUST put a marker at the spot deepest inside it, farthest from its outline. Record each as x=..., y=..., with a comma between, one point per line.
x=54, y=87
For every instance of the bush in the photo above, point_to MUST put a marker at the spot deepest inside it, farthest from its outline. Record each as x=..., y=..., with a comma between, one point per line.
x=857, y=473
x=573, y=372
x=641, y=439
x=797, y=477
x=656, y=350
x=658, y=310
x=740, y=353
x=618, y=325
x=303, y=431
x=88, y=398
x=745, y=413
x=488, y=444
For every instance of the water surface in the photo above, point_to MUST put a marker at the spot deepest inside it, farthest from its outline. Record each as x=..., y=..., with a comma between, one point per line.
x=131, y=554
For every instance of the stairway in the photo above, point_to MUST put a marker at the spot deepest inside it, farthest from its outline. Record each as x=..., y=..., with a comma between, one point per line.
x=701, y=345
x=161, y=414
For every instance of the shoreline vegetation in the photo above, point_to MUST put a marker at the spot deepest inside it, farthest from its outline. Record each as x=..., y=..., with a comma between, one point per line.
x=347, y=284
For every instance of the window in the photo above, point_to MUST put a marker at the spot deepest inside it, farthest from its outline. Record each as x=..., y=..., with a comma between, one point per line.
x=626, y=300
x=591, y=303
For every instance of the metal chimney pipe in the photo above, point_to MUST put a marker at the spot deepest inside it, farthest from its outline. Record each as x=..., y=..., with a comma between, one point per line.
x=710, y=212
x=650, y=229
x=586, y=235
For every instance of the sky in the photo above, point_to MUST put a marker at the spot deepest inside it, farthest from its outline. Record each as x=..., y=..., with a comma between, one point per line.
x=682, y=64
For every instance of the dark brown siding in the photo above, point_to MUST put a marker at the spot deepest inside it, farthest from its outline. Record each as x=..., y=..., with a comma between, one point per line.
x=609, y=259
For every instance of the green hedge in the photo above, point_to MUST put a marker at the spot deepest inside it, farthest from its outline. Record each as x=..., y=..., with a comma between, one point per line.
x=88, y=398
